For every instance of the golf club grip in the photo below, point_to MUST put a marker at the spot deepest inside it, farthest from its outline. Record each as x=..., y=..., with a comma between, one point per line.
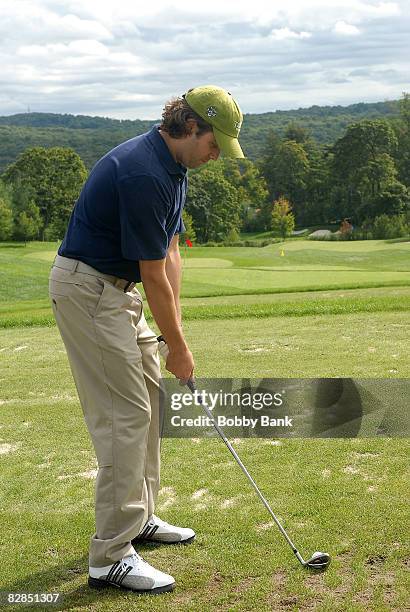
x=162, y=347
x=164, y=352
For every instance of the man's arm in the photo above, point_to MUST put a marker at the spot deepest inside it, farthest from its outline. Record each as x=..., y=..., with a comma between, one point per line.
x=173, y=268
x=160, y=297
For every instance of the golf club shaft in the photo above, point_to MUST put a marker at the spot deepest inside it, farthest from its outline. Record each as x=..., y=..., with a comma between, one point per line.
x=191, y=386
x=163, y=349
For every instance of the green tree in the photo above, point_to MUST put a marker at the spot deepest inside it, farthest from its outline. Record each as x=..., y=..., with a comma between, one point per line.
x=27, y=223
x=296, y=132
x=22, y=195
x=283, y=220
x=189, y=232
x=55, y=177
x=286, y=170
x=267, y=163
x=6, y=220
x=252, y=191
x=402, y=129
x=385, y=226
x=363, y=165
x=213, y=204
x=362, y=143
x=6, y=213
x=393, y=199
x=376, y=174
x=298, y=168
x=315, y=208
x=26, y=214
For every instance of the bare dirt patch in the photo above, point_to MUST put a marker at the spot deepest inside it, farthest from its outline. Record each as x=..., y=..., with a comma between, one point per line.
x=351, y=469
x=245, y=584
x=265, y=526
x=198, y=494
x=376, y=560
x=232, y=501
x=89, y=474
x=278, y=599
x=166, y=497
x=202, y=499
x=6, y=448
x=377, y=576
x=316, y=581
x=256, y=349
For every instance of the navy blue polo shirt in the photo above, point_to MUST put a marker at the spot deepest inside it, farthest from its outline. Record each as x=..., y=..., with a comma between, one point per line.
x=129, y=208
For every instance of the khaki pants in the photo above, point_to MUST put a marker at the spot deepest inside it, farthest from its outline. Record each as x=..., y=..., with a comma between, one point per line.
x=114, y=361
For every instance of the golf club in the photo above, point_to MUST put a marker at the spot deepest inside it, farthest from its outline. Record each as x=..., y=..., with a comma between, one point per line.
x=318, y=560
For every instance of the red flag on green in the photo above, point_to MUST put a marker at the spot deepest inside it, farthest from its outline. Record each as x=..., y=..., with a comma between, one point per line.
x=188, y=242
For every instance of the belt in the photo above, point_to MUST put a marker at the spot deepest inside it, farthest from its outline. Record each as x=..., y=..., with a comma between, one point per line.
x=74, y=265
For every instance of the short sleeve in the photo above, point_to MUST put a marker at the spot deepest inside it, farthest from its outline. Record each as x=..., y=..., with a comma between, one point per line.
x=144, y=205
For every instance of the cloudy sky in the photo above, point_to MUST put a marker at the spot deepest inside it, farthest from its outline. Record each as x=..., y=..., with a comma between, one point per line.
x=123, y=59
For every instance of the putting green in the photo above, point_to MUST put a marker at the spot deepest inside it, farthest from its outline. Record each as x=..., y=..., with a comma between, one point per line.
x=240, y=279
x=344, y=246
x=203, y=262
x=206, y=262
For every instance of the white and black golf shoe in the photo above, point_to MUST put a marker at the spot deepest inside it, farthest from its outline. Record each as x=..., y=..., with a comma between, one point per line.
x=156, y=530
x=131, y=573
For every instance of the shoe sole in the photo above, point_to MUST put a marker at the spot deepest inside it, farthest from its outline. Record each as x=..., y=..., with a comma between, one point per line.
x=95, y=583
x=137, y=541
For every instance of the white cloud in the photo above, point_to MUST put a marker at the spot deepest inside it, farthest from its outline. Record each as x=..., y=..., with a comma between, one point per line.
x=341, y=27
x=284, y=33
x=125, y=60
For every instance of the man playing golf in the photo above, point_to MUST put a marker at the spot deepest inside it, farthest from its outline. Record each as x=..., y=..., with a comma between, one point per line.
x=124, y=230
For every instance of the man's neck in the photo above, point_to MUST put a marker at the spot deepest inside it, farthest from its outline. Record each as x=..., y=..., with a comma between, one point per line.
x=170, y=144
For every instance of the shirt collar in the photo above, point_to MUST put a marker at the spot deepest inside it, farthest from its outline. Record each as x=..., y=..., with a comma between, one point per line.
x=164, y=153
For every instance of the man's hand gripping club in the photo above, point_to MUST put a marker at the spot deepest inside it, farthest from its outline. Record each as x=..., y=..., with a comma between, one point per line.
x=167, y=355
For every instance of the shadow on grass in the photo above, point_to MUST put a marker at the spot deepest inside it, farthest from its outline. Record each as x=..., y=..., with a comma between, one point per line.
x=70, y=580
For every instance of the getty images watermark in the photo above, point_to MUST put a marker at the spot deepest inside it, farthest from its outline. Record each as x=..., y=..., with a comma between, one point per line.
x=255, y=401
x=292, y=408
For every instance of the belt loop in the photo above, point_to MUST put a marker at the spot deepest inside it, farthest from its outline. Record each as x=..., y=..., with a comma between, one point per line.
x=74, y=268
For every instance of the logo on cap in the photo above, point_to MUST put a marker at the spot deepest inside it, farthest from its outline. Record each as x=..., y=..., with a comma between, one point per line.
x=211, y=111
x=238, y=125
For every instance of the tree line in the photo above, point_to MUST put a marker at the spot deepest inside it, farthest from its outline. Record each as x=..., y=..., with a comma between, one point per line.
x=363, y=176
x=91, y=137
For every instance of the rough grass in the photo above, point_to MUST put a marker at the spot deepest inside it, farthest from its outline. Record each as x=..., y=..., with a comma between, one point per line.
x=39, y=313
x=347, y=497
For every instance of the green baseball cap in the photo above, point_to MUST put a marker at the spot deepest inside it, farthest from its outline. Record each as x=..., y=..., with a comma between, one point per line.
x=217, y=107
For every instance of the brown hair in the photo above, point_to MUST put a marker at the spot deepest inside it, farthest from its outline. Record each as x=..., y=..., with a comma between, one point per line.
x=175, y=116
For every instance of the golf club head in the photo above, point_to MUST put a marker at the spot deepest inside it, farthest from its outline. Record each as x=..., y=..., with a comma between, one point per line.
x=318, y=561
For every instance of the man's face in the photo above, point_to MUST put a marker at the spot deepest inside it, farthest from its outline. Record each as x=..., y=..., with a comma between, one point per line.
x=198, y=150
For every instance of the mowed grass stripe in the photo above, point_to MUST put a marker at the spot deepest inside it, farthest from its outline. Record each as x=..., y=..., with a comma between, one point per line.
x=199, y=290
x=44, y=317
x=298, y=309
x=236, y=270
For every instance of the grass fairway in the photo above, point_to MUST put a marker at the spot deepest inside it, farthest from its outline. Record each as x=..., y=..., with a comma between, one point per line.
x=341, y=311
